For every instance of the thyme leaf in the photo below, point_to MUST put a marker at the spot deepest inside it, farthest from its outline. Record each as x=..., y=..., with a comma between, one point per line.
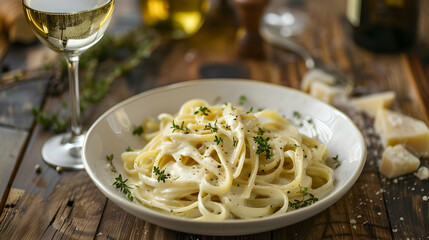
x=161, y=174
x=304, y=202
x=138, y=130
x=109, y=158
x=203, y=111
x=263, y=146
x=218, y=140
x=125, y=189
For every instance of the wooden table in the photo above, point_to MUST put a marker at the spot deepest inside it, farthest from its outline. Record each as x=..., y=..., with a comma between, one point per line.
x=67, y=205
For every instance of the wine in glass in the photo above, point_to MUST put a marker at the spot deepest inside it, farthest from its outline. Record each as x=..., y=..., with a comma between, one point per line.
x=68, y=27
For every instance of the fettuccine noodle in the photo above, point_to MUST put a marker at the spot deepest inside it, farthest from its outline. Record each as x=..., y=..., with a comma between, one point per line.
x=223, y=162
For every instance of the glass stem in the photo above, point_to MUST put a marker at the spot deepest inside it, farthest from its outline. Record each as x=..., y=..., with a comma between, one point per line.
x=76, y=122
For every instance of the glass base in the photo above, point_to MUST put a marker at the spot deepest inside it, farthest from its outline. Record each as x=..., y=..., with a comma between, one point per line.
x=64, y=151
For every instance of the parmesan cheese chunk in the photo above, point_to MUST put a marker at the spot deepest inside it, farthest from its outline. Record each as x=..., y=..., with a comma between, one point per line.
x=395, y=128
x=398, y=161
x=316, y=75
x=372, y=103
x=422, y=173
x=323, y=92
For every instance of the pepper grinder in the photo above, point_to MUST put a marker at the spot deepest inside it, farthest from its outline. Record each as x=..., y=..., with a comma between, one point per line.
x=250, y=13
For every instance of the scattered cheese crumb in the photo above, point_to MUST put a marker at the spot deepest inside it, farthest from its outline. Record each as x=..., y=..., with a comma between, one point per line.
x=422, y=173
x=352, y=221
x=37, y=168
x=394, y=230
x=425, y=198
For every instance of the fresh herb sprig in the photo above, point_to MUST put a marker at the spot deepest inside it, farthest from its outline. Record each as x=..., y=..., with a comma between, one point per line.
x=122, y=185
x=218, y=140
x=213, y=128
x=177, y=127
x=109, y=159
x=241, y=100
x=138, y=130
x=161, y=174
x=202, y=111
x=304, y=202
x=336, y=162
x=263, y=146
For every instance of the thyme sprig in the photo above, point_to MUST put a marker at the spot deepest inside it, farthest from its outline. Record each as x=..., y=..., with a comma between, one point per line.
x=202, y=111
x=138, y=130
x=125, y=189
x=304, y=202
x=263, y=146
x=213, y=128
x=109, y=159
x=241, y=100
x=218, y=140
x=181, y=127
x=336, y=162
x=161, y=174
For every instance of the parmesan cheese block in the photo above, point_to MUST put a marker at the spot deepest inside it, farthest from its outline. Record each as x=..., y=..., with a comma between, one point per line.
x=372, y=103
x=395, y=128
x=398, y=161
x=422, y=173
x=323, y=92
x=316, y=75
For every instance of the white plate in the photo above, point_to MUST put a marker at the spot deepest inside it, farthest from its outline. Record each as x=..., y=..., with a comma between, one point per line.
x=112, y=133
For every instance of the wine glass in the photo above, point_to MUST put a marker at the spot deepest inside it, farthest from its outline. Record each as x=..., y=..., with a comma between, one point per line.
x=68, y=27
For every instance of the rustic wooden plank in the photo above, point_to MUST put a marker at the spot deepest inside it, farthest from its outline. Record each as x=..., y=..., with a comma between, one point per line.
x=12, y=143
x=17, y=102
x=65, y=204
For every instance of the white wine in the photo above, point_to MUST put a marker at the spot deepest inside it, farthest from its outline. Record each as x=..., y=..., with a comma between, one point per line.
x=174, y=18
x=69, y=26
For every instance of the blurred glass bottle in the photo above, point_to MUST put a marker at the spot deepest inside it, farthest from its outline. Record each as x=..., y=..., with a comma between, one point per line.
x=174, y=19
x=383, y=25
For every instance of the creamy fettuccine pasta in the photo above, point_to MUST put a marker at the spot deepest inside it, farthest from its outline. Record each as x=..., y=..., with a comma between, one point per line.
x=223, y=162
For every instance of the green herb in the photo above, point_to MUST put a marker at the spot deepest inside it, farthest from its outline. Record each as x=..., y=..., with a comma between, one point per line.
x=304, y=202
x=336, y=162
x=260, y=131
x=128, y=149
x=218, y=140
x=241, y=100
x=138, y=130
x=177, y=127
x=251, y=110
x=310, y=121
x=296, y=114
x=110, y=160
x=161, y=174
x=263, y=146
x=234, y=142
x=121, y=184
x=203, y=111
x=52, y=121
x=213, y=128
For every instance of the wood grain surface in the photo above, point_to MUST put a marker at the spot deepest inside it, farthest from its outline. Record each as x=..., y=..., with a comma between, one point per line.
x=67, y=205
